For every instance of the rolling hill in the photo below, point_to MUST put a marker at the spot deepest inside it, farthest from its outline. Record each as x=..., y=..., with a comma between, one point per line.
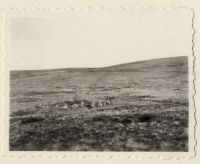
x=145, y=109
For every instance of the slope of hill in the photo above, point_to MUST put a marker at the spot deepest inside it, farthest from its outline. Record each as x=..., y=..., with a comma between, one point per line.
x=153, y=63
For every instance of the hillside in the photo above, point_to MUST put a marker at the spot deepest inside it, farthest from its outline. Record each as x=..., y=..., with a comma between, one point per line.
x=139, y=106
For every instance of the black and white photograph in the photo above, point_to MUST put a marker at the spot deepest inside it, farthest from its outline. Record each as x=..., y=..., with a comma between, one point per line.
x=113, y=80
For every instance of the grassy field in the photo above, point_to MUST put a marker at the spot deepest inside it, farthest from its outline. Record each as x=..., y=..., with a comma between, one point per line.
x=141, y=106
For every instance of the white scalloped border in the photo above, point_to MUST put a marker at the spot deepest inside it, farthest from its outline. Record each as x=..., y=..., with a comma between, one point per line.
x=84, y=155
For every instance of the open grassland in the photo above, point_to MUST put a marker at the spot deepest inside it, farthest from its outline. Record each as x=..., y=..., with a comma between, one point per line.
x=140, y=106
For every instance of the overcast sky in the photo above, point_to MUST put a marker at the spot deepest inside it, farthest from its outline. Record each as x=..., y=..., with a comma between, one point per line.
x=95, y=39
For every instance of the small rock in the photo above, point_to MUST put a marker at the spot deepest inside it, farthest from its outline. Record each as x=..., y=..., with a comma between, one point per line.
x=74, y=106
x=65, y=106
x=104, y=103
x=176, y=123
x=107, y=102
x=92, y=104
x=82, y=104
x=120, y=125
x=99, y=103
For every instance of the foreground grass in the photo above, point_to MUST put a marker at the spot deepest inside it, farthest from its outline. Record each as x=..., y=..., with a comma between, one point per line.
x=121, y=128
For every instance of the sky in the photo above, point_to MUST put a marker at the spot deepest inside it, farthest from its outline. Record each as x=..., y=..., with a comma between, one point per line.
x=91, y=38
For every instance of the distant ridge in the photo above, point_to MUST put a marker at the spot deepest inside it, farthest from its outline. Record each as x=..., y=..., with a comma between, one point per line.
x=150, y=60
x=129, y=65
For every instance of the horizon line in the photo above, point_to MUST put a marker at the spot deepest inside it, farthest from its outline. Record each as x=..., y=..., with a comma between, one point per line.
x=109, y=66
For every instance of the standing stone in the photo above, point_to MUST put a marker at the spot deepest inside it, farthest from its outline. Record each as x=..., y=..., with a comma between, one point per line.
x=82, y=104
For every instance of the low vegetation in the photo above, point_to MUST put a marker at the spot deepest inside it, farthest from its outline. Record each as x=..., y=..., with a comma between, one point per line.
x=145, y=109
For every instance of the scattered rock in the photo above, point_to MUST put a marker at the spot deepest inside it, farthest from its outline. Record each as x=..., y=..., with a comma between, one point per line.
x=65, y=106
x=99, y=103
x=130, y=143
x=176, y=123
x=82, y=104
x=107, y=102
x=74, y=106
x=119, y=125
x=92, y=104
